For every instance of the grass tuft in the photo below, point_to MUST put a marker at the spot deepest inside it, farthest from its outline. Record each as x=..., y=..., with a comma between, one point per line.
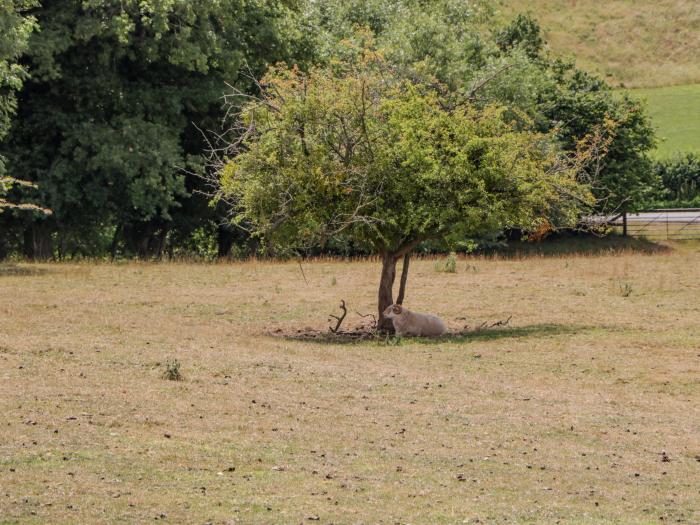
x=172, y=370
x=449, y=265
x=625, y=289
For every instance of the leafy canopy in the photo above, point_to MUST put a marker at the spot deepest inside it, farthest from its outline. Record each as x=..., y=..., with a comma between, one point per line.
x=15, y=29
x=352, y=152
x=105, y=125
x=460, y=44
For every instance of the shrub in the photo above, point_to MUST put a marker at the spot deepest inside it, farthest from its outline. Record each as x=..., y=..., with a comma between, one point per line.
x=172, y=370
x=679, y=177
x=449, y=265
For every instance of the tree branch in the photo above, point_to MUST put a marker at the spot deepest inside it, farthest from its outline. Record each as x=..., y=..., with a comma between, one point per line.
x=481, y=83
x=404, y=278
x=339, y=319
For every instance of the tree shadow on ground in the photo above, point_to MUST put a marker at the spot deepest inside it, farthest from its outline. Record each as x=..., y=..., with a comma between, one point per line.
x=362, y=335
x=517, y=332
x=571, y=244
x=12, y=270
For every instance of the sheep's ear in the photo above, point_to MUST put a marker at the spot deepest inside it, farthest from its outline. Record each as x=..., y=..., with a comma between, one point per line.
x=397, y=309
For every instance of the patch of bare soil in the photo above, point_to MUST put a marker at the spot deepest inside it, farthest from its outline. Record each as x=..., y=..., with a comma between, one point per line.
x=368, y=331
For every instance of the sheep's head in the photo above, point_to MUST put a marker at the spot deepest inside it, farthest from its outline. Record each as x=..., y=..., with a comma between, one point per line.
x=393, y=311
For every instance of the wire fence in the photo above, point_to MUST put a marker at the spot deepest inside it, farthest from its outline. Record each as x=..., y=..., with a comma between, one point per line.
x=669, y=224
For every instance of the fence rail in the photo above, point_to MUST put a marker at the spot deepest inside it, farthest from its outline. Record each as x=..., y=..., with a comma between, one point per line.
x=669, y=224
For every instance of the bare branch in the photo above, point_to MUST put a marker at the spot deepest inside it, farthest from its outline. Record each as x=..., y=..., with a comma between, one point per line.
x=339, y=319
x=479, y=84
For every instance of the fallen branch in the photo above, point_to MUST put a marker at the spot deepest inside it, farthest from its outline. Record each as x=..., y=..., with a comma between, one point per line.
x=339, y=319
x=374, y=318
x=502, y=322
x=485, y=325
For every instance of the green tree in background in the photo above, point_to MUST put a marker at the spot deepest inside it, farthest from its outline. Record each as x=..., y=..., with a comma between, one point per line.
x=15, y=29
x=352, y=152
x=440, y=39
x=107, y=123
x=573, y=103
x=679, y=180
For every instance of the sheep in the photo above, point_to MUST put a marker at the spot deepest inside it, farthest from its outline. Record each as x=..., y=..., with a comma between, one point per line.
x=411, y=323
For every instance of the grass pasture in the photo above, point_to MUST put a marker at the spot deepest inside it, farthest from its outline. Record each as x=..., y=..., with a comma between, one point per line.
x=585, y=410
x=675, y=113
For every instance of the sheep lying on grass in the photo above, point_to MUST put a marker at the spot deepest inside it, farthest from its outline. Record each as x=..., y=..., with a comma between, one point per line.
x=410, y=323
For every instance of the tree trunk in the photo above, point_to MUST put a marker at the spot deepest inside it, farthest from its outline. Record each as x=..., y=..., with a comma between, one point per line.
x=4, y=249
x=224, y=242
x=404, y=278
x=38, y=243
x=157, y=244
x=386, y=289
x=115, y=241
x=146, y=239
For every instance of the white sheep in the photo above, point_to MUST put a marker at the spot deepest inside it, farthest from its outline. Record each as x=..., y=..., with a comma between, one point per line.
x=411, y=323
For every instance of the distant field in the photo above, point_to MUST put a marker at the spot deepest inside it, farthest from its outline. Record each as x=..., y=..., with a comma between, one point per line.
x=675, y=112
x=640, y=43
x=585, y=410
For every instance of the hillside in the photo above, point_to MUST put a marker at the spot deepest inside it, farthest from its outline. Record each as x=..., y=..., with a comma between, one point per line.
x=640, y=43
x=675, y=112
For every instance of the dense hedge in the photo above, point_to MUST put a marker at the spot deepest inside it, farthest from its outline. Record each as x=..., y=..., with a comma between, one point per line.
x=679, y=179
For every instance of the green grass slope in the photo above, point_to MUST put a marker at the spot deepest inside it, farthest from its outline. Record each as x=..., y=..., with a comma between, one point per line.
x=635, y=43
x=675, y=111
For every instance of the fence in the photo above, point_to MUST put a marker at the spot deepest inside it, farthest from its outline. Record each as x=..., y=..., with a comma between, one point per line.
x=671, y=224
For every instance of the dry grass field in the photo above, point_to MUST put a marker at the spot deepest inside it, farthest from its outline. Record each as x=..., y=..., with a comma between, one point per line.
x=585, y=410
x=640, y=43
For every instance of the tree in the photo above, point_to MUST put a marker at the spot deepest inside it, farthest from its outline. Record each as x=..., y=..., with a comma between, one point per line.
x=15, y=29
x=439, y=39
x=108, y=120
x=576, y=104
x=560, y=98
x=459, y=44
x=679, y=178
x=354, y=152
x=523, y=32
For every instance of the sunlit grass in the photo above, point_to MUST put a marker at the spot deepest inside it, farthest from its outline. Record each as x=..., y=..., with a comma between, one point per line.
x=675, y=112
x=644, y=43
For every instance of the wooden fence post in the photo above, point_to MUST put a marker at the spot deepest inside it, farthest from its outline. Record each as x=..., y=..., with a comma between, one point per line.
x=624, y=224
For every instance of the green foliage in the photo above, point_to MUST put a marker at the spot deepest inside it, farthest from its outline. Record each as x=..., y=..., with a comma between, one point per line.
x=438, y=39
x=351, y=152
x=572, y=103
x=680, y=180
x=108, y=121
x=107, y=125
x=200, y=244
x=15, y=29
x=449, y=265
x=581, y=103
x=449, y=41
x=524, y=33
